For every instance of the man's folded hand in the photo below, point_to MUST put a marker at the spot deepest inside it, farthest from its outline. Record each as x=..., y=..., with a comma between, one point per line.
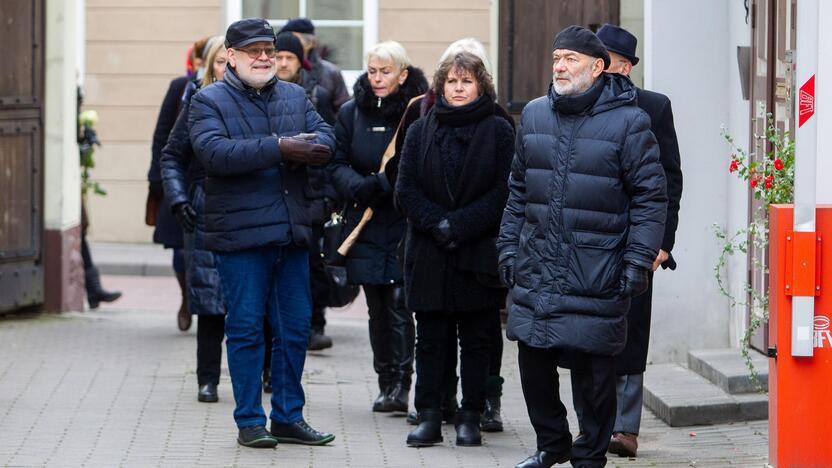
x=301, y=150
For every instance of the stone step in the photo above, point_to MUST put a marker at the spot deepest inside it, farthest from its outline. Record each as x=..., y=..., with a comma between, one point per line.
x=681, y=397
x=727, y=369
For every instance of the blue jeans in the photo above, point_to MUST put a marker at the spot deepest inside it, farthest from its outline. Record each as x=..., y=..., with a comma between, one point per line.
x=268, y=281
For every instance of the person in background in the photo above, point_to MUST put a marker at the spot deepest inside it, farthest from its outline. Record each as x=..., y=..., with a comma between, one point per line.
x=363, y=131
x=452, y=186
x=255, y=136
x=158, y=210
x=491, y=418
x=631, y=363
x=183, y=178
x=326, y=73
x=580, y=232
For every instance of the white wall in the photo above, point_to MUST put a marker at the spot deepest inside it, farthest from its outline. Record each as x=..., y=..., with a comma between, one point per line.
x=62, y=183
x=690, y=55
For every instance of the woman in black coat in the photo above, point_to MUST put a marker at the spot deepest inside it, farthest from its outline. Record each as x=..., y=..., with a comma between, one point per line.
x=452, y=186
x=364, y=129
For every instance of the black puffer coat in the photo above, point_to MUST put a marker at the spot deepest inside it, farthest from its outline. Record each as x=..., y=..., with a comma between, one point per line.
x=363, y=130
x=587, y=195
x=466, y=277
x=184, y=177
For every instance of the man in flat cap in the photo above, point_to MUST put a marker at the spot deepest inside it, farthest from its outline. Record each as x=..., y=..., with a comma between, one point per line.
x=256, y=136
x=631, y=363
x=582, y=227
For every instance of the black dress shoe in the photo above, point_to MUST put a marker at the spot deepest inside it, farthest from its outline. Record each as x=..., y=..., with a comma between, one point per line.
x=429, y=430
x=468, y=429
x=397, y=398
x=256, y=437
x=543, y=459
x=300, y=433
x=492, y=421
x=319, y=341
x=207, y=393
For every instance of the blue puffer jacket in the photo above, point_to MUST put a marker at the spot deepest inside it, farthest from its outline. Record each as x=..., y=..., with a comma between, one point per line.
x=587, y=195
x=252, y=198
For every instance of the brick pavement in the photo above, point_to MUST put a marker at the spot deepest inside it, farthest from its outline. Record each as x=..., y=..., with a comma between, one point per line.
x=116, y=387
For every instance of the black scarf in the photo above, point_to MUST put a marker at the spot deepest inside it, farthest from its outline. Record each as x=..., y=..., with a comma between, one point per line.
x=468, y=114
x=577, y=103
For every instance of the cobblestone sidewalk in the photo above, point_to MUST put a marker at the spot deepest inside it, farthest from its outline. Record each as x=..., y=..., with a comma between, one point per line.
x=116, y=387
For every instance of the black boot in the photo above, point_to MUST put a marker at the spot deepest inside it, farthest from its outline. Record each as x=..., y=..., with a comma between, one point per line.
x=183, y=317
x=95, y=293
x=398, y=397
x=468, y=429
x=429, y=430
x=492, y=421
x=382, y=402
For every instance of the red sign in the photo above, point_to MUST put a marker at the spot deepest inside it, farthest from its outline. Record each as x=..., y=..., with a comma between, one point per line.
x=806, y=106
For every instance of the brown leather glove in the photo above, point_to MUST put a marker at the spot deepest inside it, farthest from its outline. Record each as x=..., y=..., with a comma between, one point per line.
x=303, y=151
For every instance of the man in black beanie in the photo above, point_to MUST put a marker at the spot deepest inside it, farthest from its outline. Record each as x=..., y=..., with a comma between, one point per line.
x=326, y=73
x=581, y=229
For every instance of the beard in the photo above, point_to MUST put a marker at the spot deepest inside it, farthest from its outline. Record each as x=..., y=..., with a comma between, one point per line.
x=576, y=85
x=255, y=81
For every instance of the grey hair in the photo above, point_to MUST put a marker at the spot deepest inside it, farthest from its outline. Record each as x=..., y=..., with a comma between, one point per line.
x=470, y=45
x=392, y=51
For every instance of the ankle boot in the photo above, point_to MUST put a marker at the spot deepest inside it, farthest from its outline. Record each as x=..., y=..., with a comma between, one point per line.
x=95, y=293
x=468, y=429
x=492, y=421
x=429, y=430
x=398, y=396
x=382, y=402
x=183, y=317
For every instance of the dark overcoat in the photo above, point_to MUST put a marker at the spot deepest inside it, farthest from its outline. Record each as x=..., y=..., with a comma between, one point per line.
x=633, y=360
x=364, y=128
x=587, y=195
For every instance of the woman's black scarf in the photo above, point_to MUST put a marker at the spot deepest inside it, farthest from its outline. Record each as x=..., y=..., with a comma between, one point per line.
x=474, y=125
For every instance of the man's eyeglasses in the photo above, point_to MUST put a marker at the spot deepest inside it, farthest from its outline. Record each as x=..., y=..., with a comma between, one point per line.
x=256, y=52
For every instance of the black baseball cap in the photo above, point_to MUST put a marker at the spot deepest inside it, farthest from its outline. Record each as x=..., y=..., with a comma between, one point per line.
x=247, y=31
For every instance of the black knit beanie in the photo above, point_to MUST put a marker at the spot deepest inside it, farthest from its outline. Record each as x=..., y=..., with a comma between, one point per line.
x=290, y=43
x=580, y=39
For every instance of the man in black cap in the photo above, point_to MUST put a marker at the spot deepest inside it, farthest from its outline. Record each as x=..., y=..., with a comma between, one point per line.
x=579, y=235
x=631, y=363
x=326, y=73
x=256, y=136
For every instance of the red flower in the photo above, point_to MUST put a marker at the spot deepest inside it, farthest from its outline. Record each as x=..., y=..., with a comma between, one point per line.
x=754, y=181
x=769, y=180
x=778, y=164
x=735, y=165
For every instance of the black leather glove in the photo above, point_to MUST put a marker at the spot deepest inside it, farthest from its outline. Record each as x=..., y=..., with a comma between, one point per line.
x=186, y=216
x=302, y=151
x=634, y=280
x=506, y=270
x=368, y=190
x=444, y=236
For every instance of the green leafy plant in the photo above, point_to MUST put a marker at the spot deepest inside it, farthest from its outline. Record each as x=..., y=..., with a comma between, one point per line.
x=87, y=141
x=771, y=179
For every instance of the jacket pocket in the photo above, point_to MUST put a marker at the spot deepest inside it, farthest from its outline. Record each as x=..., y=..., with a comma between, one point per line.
x=594, y=264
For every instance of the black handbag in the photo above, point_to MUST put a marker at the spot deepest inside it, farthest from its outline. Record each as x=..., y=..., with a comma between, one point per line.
x=341, y=292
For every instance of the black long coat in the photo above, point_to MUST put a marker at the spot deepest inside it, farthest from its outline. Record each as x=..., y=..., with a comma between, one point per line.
x=633, y=360
x=465, y=278
x=587, y=196
x=363, y=130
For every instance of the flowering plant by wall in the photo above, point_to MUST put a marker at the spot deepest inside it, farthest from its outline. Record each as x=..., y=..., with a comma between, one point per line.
x=771, y=180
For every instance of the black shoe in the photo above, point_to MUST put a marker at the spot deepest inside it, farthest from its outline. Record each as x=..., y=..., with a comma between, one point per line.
x=382, y=402
x=95, y=293
x=256, y=437
x=492, y=421
x=429, y=430
x=543, y=459
x=300, y=433
x=397, y=398
x=413, y=418
x=207, y=393
x=468, y=429
x=319, y=341
x=267, y=381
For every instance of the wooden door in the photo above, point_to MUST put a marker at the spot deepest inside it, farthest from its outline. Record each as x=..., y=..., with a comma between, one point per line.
x=21, y=154
x=527, y=30
x=773, y=30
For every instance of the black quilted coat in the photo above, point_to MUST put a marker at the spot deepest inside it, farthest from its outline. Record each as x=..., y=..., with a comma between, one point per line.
x=587, y=195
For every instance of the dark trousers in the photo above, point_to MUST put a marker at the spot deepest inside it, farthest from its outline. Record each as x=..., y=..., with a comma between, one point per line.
x=210, y=331
x=392, y=334
x=495, y=358
x=594, y=377
x=475, y=330
x=318, y=282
